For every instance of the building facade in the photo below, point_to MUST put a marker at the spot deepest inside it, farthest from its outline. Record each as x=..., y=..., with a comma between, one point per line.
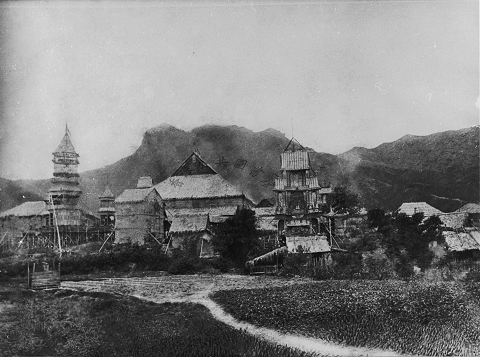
x=139, y=215
x=301, y=203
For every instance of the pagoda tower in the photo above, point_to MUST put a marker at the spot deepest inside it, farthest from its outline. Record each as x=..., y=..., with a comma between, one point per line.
x=64, y=194
x=300, y=200
x=107, y=208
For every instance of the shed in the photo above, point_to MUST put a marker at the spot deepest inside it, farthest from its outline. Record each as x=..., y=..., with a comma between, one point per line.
x=189, y=228
x=140, y=216
x=473, y=212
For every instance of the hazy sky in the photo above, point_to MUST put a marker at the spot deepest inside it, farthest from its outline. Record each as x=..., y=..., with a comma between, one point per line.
x=346, y=73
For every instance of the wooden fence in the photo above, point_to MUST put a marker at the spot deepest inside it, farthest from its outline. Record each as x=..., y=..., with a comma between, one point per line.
x=45, y=279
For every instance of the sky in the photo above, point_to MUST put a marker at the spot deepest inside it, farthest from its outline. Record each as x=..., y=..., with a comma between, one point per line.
x=336, y=74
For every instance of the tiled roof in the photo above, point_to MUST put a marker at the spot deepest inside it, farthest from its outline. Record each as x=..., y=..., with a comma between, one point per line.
x=133, y=195
x=309, y=244
x=470, y=208
x=325, y=190
x=459, y=242
x=189, y=223
x=410, y=208
x=26, y=209
x=196, y=186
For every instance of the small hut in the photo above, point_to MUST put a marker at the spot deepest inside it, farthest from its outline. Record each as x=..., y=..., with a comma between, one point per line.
x=139, y=214
x=465, y=245
x=193, y=229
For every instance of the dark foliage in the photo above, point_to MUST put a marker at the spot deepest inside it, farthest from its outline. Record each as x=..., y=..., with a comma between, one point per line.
x=237, y=239
x=343, y=201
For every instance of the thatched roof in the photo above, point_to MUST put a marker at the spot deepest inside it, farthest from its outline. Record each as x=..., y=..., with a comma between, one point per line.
x=266, y=224
x=295, y=160
x=197, y=186
x=268, y=258
x=470, y=208
x=194, y=165
x=454, y=220
x=66, y=144
x=27, y=209
x=459, y=242
x=107, y=194
x=410, y=208
x=265, y=211
x=134, y=195
x=189, y=223
x=309, y=244
x=216, y=214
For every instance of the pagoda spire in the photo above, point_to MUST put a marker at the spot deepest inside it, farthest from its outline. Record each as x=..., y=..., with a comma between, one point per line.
x=65, y=190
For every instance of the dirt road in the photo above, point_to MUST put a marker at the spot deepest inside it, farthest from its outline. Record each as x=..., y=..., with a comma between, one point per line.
x=196, y=289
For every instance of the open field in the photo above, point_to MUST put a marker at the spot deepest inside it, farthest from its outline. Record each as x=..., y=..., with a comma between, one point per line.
x=411, y=318
x=68, y=323
x=325, y=318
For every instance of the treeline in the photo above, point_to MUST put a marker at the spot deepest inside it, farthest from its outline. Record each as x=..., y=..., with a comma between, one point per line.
x=392, y=245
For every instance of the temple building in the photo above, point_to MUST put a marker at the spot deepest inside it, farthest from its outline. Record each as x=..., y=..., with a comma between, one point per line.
x=196, y=188
x=195, y=193
x=59, y=220
x=302, y=213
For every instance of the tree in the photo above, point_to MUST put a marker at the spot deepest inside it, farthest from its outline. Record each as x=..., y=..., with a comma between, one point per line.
x=343, y=201
x=237, y=237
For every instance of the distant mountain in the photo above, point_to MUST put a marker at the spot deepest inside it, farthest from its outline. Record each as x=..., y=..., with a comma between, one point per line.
x=13, y=194
x=442, y=168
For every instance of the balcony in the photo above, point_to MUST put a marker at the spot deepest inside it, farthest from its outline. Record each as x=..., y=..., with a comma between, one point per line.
x=311, y=183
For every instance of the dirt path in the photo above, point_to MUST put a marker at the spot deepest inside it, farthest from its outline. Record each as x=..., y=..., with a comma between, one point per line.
x=196, y=289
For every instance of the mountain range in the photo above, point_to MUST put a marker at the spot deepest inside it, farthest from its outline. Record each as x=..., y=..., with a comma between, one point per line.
x=441, y=169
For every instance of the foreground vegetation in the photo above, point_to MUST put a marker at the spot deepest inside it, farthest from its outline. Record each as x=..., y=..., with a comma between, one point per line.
x=412, y=318
x=67, y=323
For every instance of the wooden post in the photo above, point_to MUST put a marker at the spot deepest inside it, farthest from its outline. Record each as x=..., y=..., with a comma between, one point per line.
x=28, y=274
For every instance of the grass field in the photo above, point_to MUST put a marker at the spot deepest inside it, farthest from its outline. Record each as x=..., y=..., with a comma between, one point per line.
x=412, y=318
x=66, y=323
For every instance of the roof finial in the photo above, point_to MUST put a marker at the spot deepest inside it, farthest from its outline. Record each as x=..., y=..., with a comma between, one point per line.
x=66, y=128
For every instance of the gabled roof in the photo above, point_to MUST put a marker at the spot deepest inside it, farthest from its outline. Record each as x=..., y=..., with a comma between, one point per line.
x=309, y=244
x=107, y=193
x=410, y=208
x=470, y=208
x=194, y=165
x=294, y=145
x=66, y=144
x=196, y=186
x=26, y=209
x=189, y=223
x=134, y=195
